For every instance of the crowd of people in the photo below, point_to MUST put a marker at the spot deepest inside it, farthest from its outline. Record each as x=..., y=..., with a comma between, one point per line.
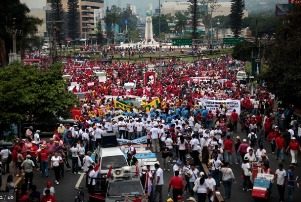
x=180, y=129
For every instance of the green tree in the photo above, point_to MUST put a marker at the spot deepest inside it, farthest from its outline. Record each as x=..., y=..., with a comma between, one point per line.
x=99, y=33
x=33, y=95
x=112, y=18
x=181, y=21
x=283, y=75
x=164, y=28
x=243, y=51
x=237, y=7
x=264, y=24
x=57, y=20
x=14, y=17
x=73, y=19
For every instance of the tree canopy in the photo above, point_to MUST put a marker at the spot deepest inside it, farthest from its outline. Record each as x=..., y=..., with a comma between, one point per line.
x=264, y=24
x=73, y=19
x=283, y=74
x=31, y=94
x=236, y=14
x=124, y=20
x=14, y=17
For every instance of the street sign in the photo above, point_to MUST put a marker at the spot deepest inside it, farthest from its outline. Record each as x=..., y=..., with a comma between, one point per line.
x=232, y=40
x=181, y=42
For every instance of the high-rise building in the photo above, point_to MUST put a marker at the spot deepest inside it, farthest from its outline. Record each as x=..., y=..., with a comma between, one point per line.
x=89, y=12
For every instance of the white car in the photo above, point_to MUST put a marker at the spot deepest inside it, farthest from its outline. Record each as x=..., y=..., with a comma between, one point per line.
x=241, y=76
x=111, y=157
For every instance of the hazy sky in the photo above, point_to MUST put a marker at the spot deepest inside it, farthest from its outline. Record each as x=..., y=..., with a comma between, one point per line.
x=141, y=5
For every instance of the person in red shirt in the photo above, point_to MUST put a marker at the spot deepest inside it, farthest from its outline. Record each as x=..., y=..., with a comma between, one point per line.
x=271, y=138
x=280, y=144
x=44, y=158
x=228, y=148
x=293, y=147
x=242, y=149
x=48, y=197
x=234, y=119
x=177, y=184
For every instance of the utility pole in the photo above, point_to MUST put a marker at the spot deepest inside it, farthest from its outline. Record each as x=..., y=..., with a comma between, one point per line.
x=160, y=31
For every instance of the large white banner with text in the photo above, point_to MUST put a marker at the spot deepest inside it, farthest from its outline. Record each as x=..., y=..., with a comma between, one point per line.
x=213, y=105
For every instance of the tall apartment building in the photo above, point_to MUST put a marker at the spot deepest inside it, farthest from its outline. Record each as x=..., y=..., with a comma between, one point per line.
x=89, y=11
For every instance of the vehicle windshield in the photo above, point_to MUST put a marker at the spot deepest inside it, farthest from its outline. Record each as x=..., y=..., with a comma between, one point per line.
x=114, y=161
x=241, y=74
x=125, y=188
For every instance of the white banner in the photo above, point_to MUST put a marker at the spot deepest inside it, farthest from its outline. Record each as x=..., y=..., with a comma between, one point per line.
x=140, y=140
x=213, y=105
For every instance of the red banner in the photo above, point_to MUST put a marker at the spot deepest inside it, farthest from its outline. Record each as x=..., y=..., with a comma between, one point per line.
x=76, y=113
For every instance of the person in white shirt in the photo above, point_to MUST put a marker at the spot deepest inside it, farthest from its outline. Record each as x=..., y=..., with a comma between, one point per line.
x=159, y=182
x=139, y=128
x=215, y=166
x=98, y=134
x=194, y=143
x=201, y=187
x=182, y=144
x=4, y=154
x=87, y=162
x=108, y=126
x=169, y=143
x=280, y=176
x=155, y=138
x=260, y=152
x=227, y=178
x=250, y=155
x=130, y=129
x=74, y=154
x=246, y=170
x=211, y=187
x=122, y=129
x=91, y=182
x=55, y=164
x=36, y=137
x=193, y=174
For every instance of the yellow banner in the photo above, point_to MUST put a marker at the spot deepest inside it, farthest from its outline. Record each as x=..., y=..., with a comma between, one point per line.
x=120, y=105
x=153, y=104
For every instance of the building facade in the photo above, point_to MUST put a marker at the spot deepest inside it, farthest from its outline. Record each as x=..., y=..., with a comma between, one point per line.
x=90, y=11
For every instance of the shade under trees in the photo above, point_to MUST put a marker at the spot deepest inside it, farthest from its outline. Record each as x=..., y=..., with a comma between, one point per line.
x=283, y=74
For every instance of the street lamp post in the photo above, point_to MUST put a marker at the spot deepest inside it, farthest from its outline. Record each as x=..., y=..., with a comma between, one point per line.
x=160, y=31
x=217, y=27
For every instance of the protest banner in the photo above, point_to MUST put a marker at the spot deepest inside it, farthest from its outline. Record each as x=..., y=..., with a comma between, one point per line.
x=213, y=105
x=122, y=106
x=140, y=140
x=76, y=113
x=153, y=104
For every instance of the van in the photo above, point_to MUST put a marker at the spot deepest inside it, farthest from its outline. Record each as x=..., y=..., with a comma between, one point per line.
x=241, y=76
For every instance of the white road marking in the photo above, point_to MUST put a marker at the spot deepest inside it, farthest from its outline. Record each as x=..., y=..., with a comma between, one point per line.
x=79, y=181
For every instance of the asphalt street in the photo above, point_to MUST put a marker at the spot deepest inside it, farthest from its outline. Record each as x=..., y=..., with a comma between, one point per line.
x=66, y=191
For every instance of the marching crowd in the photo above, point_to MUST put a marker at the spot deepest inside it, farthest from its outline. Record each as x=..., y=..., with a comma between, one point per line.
x=180, y=129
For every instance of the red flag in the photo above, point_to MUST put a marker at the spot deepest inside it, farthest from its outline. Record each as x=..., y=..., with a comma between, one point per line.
x=109, y=174
x=97, y=166
x=76, y=113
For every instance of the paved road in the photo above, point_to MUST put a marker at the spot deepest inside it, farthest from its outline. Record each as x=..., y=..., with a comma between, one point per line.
x=66, y=192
